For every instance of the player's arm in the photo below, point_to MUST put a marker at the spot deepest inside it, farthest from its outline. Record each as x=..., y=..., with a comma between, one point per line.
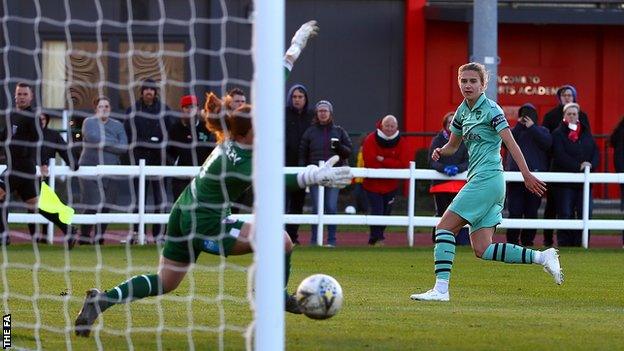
x=298, y=43
x=534, y=185
x=448, y=149
x=327, y=175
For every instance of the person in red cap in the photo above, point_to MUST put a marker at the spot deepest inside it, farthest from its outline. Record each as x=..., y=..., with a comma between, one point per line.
x=190, y=142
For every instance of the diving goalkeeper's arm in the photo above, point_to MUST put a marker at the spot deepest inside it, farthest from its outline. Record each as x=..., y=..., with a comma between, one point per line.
x=327, y=175
x=298, y=43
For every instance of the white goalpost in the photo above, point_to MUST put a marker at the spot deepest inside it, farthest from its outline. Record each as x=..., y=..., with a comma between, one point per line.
x=267, y=90
x=83, y=49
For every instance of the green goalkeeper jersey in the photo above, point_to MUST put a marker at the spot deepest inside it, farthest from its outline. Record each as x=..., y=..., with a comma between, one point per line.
x=223, y=177
x=479, y=128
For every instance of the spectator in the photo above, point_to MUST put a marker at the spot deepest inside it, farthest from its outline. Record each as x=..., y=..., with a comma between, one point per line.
x=53, y=144
x=104, y=140
x=383, y=148
x=234, y=99
x=190, y=142
x=298, y=119
x=535, y=142
x=147, y=129
x=444, y=191
x=552, y=119
x=617, y=143
x=321, y=141
x=574, y=148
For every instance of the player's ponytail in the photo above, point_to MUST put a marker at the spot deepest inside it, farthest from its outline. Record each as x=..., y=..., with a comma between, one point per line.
x=215, y=118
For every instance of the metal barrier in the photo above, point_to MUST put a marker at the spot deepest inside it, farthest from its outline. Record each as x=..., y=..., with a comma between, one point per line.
x=409, y=220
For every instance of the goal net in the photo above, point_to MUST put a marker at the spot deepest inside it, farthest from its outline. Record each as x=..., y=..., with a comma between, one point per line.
x=72, y=53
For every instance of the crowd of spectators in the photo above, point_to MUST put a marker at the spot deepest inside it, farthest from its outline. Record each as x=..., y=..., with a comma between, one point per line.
x=152, y=131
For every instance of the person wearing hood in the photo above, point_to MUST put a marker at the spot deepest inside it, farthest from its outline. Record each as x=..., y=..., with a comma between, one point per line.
x=535, y=142
x=552, y=120
x=445, y=190
x=298, y=119
x=321, y=141
x=574, y=149
x=383, y=148
x=147, y=127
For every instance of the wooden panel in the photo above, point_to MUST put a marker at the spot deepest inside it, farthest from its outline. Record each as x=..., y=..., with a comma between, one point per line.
x=146, y=63
x=84, y=72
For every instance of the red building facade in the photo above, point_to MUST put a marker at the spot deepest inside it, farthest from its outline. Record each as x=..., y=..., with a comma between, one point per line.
x=535, y=59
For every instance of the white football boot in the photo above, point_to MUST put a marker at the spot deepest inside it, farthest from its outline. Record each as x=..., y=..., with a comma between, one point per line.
x=431, y=295
x=552, y=266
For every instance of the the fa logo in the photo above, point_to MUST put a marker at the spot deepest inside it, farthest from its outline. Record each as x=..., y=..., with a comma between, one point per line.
x=6, y=331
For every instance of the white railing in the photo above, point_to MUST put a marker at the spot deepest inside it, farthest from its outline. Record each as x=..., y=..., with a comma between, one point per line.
x=409, y=220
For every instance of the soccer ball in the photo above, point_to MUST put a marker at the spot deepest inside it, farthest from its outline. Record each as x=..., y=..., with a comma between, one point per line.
x=319, y=296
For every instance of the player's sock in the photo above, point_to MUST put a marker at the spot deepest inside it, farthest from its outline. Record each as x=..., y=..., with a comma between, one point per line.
x=508, y=253
x=135, y=288
x=443, y=255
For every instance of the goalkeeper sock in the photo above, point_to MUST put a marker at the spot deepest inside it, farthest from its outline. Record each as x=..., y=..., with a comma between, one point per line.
x=443, y=254
x=508, y=253
x=135, y=288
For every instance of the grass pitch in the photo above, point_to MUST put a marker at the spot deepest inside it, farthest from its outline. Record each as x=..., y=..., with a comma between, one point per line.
x=493, y=306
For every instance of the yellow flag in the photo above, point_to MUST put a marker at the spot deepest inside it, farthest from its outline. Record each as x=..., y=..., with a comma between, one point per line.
x=49, y=202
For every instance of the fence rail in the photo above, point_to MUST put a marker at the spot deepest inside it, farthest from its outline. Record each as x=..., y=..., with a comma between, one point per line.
x=409, y=220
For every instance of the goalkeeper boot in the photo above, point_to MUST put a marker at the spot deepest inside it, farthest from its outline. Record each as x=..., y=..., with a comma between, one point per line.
x=431, y=295
x=89, y=313
x=552, y=265
x=291, y=305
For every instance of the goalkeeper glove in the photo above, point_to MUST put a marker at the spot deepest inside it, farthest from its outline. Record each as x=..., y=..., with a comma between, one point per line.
x=328, y=175
x=298, y=42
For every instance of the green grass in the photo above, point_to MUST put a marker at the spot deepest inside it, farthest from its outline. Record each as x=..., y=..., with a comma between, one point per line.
x=493, y=306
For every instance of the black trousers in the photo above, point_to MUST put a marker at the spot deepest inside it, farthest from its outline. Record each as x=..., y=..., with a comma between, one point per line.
x=294, y=205
x=521, y=203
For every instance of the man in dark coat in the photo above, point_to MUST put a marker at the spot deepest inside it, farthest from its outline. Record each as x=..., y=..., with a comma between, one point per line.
x=147, y=127
x=298, y=119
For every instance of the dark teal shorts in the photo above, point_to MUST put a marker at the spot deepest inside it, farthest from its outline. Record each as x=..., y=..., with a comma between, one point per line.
x=183, y=244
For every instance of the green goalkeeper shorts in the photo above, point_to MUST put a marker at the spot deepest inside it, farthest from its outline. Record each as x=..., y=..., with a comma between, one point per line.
x=481, y=200
x=184, y=244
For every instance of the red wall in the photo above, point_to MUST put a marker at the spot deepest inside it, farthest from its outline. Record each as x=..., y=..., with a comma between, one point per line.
x=535, y=60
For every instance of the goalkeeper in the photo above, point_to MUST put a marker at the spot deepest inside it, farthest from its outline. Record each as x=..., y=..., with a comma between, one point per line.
x=199, y=220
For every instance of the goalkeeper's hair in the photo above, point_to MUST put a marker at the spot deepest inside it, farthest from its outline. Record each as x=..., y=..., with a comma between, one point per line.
x=240, y=121
x=224, y=123
x=215, y=117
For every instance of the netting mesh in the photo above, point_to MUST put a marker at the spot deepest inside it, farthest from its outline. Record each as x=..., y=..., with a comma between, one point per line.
x=71, y=53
